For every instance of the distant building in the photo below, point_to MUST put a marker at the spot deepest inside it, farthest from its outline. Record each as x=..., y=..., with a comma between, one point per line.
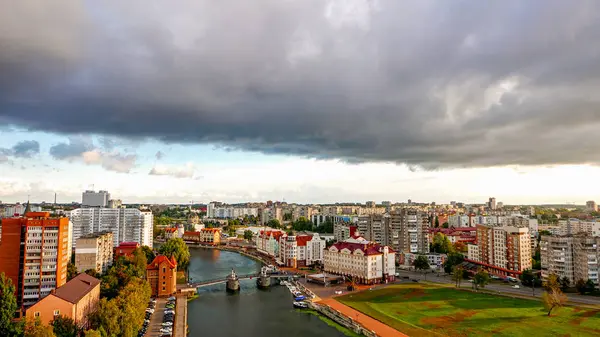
x=229, y=212
x=591, y=206
x=408, y=231
x=492, y=203
x=95, y=199
x=298, y=251
x=115, y=203
x=94, y=251
x=34, y=254
x=77, y=299
x=161, y=273
x=171, y=233
x=125, y=249
x=370, y=204
x=364, y=262
x=436, y=260
x=126, y=224
x=506, y=248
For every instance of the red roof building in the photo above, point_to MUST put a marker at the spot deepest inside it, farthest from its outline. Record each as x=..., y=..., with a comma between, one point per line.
x=161, y=273
x=125, y=249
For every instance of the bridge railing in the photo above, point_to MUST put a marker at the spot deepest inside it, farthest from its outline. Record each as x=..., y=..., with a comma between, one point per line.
x=222, y=279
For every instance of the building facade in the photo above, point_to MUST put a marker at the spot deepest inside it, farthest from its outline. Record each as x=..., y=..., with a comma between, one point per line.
x=161, y=273
x=77, y=299
x=508, y=248
x=94, y=251
x=573, y=257
x=298, y=251
x=125, y=249
x=367, y=262
x=126, y=224
x=34, y=254
x=409, y=231
x=95, y=199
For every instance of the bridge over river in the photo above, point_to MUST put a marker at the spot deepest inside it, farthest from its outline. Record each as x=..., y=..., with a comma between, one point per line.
x=207, y=283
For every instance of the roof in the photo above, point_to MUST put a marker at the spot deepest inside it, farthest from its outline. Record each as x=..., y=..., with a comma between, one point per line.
x=210, y=230
x=160, y=259
x=128, y=244
x=77, y=288
x=301, y=240
x=370, y=248
x=191, y=233
x=170, y=230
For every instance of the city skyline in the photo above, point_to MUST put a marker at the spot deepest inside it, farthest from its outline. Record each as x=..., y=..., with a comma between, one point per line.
x=307, y=101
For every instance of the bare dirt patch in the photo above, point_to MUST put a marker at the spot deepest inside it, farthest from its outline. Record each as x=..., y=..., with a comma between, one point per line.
x=415, y=293
x=445, y=322
x=584, y=316
x=432, y=305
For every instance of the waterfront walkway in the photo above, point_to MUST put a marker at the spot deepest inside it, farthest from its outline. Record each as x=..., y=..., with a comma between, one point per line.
x=368, y=322
x=181, y=317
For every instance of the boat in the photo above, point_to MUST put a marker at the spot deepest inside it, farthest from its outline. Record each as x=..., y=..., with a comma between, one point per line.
x=301, y=305
x=300, y=298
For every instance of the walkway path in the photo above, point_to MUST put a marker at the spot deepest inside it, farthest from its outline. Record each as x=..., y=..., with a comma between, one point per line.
x=368, y=322
x=181, y=317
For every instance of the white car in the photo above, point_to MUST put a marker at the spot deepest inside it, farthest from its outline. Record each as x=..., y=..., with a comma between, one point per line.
x=167, y=324
x=338, y=292
x=516, y=286
x=166, y=329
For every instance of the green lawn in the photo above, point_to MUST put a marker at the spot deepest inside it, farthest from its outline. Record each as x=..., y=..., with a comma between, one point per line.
x=431, y=310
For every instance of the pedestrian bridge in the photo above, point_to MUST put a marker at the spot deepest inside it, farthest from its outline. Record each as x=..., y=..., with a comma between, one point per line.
x=207, y=283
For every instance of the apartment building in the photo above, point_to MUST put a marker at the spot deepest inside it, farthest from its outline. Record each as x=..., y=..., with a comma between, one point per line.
x=267, y=242
x=208, y=236
x=77, y=299
x=343, y=231
x=94, y=251
x=95, y=199
x=365, y=262
x=374, y=228
x=126, y=224
x=34, y=254
x=408, y=231
x=506, y=248
x=573, y=257
x=229, y=212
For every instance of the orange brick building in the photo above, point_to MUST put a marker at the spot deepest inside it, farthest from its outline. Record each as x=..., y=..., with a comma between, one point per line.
x=162, y=276
x=77, y=299
x=34, y=254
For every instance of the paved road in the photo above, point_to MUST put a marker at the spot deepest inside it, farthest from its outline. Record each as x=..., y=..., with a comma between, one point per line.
x=499, y=287
x=181, y=317
x=157, y=318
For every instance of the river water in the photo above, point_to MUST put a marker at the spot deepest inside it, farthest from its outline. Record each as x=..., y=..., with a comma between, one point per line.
x=251, y=312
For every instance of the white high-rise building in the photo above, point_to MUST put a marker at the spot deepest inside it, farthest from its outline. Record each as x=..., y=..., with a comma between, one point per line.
x=95, y=199
x=126, y=224
x=591, y=206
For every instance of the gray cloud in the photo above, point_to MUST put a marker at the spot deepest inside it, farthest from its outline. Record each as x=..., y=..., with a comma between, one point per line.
x=427, y=83
x=23, y=149
x=182, y=171
x=159, y=155
x=81, y=148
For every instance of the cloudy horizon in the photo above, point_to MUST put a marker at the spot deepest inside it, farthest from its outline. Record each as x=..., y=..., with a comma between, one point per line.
x=307, y=101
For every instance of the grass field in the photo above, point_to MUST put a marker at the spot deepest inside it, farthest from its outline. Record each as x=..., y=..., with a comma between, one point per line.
x=433, y=310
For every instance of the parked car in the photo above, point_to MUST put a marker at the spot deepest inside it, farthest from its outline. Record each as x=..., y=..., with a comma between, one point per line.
x=516, y=286
x=172, y=298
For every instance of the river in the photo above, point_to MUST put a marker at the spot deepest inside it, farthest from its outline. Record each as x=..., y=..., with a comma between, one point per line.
x=251, y=312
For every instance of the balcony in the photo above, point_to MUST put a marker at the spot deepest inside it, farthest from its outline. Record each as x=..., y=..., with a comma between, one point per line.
x=31, y=296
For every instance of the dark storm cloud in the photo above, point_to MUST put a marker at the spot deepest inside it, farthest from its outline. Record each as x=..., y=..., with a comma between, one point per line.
x=427, y=83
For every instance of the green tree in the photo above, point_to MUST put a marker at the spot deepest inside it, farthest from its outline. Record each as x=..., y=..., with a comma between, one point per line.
x=64, y=327
x=8, y=306
x=92, y=333
x=274, y=223
x=71, y=271
x=445, y=225
x=453, y=259
x=441, y=244
x=149, y=253
x=421, y=263
x=248, y=235
x=437, y=222
x=35, y=328
x=590, y=286
x=302, y=224
x=93, y=273
x=481, y=279
x=457, y=275
x=177, y=248
x=564, y=283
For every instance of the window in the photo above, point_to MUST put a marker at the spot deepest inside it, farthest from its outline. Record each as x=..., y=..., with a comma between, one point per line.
x=164, y=270
x=56, y=312
x=164, y=283
x=164, y=289
x=36, y=314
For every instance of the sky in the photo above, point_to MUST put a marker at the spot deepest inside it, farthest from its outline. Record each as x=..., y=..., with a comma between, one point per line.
x=308, y=101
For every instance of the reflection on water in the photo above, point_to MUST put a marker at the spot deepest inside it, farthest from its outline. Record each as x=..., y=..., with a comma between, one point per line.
x=251, y=312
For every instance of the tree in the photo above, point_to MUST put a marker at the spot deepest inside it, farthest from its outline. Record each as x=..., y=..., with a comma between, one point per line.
x=177, y=248
x=248, y=235
x=590, y=286
x=35, y=328
x=71, y=271
x=564, y=283
x=437, y=222
x=92, y=273
x=140, y=262
x=325, y=227
x=8, y=306
x=457, y=275
x=64, y=327
x=452, y=260
x=580, y=286
x=441, y=244
x=553, y=297
x=481, y=279
x=445, y=225
x=421, y=263
x=460, y=247
x=92, y=333
x=274, y=223
x=149, y=253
